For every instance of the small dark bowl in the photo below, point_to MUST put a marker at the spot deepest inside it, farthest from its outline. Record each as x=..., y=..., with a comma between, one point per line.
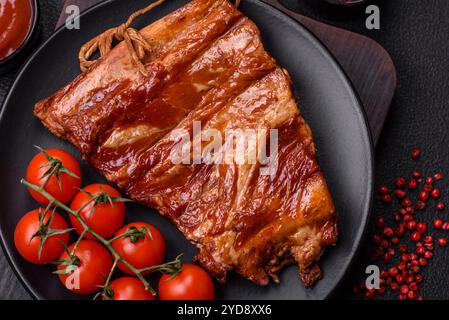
x=21, y=53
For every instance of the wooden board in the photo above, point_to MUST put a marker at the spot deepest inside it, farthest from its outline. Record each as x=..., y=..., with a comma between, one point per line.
x=367, y=64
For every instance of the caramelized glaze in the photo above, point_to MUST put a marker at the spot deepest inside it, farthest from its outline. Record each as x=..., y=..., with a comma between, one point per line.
x=210, y=66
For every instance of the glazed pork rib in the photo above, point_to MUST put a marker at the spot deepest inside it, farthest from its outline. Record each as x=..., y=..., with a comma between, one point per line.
x=208, y=66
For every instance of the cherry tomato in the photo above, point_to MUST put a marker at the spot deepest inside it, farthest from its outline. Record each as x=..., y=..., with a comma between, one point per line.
x=91, y=263
x=192, y=283
x=140, y=250
x=28, y=246
x=129, y=288
x=49, y=165
x=105, y=218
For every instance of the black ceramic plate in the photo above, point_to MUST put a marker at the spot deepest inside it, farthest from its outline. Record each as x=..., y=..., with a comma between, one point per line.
x=327, y=101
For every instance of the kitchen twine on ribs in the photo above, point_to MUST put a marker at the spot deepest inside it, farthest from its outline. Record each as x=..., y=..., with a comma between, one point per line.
x=137, y=45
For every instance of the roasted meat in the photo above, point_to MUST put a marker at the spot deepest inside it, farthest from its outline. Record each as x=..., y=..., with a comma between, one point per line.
x=208, y=66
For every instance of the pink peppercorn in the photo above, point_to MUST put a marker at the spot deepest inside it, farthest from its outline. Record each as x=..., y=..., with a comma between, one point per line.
x=399, y=193
x=412, y=184
x=388, y=232
x=416, y=236
x=435, y=194
x=442, y=242
x=400, y=182
x=424, y=195
x=445, y=226
x=404, y=289
x=386, y=198
x=421, y=227
x=383, y=189
x=438, y=223
x=416, y=153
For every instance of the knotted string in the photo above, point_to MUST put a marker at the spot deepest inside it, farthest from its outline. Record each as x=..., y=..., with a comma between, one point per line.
x=137, y=45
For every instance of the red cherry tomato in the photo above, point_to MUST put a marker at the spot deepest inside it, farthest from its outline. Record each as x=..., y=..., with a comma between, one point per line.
x=105, y=218
x=58, y=159
x=192, y=283
x=92, y=264
x=141, y=251
x=28, y=246
x=129, y=288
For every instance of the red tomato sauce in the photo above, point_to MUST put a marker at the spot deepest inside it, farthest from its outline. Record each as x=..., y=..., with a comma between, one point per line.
x=15, y=23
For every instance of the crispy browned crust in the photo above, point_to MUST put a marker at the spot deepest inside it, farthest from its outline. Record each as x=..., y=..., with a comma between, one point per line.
x=208, y=65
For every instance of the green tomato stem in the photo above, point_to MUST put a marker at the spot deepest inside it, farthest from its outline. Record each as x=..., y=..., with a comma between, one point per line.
x=106, y=243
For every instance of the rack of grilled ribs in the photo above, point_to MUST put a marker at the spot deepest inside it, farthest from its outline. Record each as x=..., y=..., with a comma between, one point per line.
x=207, y=64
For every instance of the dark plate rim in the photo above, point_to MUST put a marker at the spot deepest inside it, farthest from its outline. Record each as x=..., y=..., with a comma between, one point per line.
x=355, y=96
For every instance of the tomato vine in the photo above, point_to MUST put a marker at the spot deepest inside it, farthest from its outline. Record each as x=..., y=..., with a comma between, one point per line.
x=172, y=267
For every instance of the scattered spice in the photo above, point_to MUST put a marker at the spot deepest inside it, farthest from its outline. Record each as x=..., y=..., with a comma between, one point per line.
x=383, y=190
x=400, y=183
x=406, y=203
x=399, y=193
x=438, y=176
x=388, y=232
x=442, y=242
x=416, y=236
x=435, y=193
x=421, y=227
x=412, y=184
x=424, y=195
x=405, y=244
x=416, y=174
x=445, y=226
x=416, y=153
x=438, y=223
x=386, y=198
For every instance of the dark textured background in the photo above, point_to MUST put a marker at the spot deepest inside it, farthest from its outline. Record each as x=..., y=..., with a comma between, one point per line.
x=416, y=33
